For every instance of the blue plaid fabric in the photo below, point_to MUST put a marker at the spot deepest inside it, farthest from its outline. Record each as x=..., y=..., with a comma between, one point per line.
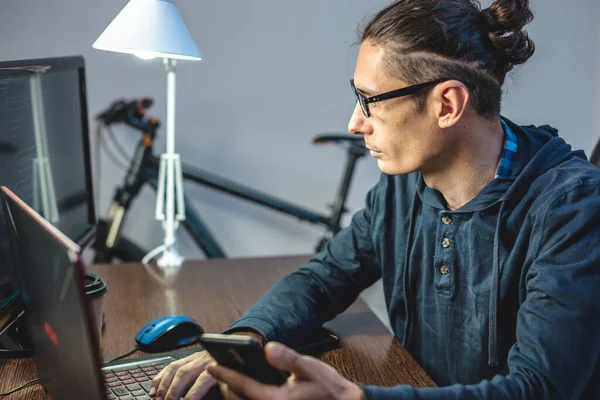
x=508, y=153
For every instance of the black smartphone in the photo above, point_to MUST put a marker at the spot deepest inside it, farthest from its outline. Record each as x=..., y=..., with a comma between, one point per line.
x=243, y=354
x=318, y=341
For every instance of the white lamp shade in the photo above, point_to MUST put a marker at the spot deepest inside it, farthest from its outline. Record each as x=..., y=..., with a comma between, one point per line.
x=149, y=28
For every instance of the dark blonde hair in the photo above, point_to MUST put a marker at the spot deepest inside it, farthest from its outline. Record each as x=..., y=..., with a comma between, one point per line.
x=429, y=39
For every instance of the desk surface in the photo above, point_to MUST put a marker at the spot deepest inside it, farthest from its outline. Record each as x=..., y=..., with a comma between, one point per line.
x=215, y=293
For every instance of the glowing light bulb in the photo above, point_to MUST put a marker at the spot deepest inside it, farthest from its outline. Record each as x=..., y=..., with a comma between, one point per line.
x=145, y=55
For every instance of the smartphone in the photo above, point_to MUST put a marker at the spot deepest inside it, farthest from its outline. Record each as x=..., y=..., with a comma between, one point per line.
x=318, y=341
x=243, y=354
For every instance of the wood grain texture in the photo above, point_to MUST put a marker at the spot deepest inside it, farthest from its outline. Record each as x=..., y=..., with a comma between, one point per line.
x=215, y=293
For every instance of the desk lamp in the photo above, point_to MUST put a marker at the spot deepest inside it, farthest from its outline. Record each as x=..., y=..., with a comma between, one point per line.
x=149, y=29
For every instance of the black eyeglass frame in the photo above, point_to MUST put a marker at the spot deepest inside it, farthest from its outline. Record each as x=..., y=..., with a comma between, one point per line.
x=406, y=91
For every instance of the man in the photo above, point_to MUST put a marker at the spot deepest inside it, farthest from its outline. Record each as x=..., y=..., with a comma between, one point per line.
x=485, y=232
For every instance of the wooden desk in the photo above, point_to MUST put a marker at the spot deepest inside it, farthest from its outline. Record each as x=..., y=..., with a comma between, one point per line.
x=215, y=293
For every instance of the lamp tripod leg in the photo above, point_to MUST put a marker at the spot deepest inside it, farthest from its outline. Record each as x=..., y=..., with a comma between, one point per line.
x=169, y=185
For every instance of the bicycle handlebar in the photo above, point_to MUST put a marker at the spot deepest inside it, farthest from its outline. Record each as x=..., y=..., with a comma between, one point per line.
x=132, y=113
x=120, y=110
x=337, y=138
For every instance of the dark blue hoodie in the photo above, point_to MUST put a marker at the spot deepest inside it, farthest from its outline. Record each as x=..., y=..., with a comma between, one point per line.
x=498, y=299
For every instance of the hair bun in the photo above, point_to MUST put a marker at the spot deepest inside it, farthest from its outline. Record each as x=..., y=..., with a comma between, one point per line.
x=513, y=15
x=505, y=20
x=492, y=23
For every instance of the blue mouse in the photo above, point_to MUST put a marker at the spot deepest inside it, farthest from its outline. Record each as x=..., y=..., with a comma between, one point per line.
x=166, y=333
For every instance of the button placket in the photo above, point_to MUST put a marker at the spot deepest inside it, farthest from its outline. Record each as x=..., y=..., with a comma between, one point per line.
x=448, y=226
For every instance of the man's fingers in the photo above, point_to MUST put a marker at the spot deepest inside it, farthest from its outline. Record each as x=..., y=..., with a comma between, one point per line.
x=166, y=375
x=241, y=384
x=162, y=381
x=286, y=359
x=201, y=387
x=156, y=382
x=183, y=377
x=172, y=381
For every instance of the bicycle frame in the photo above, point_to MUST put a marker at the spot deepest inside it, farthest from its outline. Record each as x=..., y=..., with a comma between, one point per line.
x=143, y=169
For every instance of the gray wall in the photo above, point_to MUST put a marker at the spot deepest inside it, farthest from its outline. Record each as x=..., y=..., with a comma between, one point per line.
x=274, y=74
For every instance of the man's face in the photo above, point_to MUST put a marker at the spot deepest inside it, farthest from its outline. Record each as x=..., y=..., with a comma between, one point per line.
x=402, y=139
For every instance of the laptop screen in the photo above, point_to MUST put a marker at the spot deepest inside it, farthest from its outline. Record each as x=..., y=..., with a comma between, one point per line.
x=58, y=314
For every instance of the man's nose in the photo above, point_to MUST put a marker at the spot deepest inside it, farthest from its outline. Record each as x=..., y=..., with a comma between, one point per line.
x=358, y=122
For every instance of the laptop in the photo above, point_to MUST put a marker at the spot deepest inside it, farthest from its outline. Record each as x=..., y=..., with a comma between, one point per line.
x=66, y=346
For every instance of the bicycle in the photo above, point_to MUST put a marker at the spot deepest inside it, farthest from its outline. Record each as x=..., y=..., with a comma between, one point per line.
x=143, y=169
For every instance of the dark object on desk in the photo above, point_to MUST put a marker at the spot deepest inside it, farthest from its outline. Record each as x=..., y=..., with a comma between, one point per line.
x=243, y=354
x=168, y=333
x=318, y=342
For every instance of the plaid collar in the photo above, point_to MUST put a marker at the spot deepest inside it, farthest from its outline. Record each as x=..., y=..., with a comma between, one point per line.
x=508, y=153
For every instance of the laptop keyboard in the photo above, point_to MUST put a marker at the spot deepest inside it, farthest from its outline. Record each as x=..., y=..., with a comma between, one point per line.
x=132, y=382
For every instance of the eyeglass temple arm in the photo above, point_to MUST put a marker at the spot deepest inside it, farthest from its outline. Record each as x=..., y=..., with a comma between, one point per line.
x=410, y=90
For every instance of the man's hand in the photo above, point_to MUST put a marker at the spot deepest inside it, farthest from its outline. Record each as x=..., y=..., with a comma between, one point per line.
x=311, y=379
x=172, y=382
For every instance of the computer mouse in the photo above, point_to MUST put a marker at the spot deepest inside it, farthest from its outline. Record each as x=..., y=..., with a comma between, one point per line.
x=167, y=333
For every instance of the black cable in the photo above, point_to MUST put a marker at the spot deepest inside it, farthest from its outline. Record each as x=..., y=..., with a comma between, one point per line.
x=123, y=355
x=113, y=158
x=23, y=386
x=117, y=144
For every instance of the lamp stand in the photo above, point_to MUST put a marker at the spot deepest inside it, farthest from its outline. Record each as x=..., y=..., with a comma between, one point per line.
x=44, y=196
x=170, y=208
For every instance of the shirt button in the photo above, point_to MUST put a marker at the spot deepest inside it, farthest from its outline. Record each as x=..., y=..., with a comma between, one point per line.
x=444, y=270
x=446, y=242
x=447, y=219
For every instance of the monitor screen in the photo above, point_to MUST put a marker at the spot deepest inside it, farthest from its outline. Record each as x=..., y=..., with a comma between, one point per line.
x=44, y=152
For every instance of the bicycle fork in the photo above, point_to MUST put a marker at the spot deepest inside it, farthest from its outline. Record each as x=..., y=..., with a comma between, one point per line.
x=109, y=230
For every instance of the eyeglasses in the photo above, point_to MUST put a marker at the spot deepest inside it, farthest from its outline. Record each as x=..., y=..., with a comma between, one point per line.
x=407, y=91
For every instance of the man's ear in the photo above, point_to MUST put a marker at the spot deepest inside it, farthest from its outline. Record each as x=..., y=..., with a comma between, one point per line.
x=451, y=101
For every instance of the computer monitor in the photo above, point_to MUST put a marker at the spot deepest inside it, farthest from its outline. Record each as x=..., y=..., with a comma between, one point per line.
x=44, y=154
